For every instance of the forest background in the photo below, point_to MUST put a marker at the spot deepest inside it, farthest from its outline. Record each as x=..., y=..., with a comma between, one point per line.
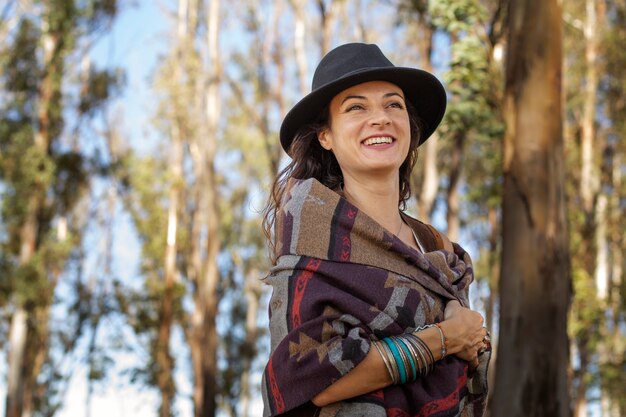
x=138, y=141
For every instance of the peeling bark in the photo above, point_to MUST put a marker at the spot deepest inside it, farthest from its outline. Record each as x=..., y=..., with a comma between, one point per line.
x=535, y=282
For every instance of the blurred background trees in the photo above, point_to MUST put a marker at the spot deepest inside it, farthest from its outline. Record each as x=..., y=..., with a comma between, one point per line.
x=183, y=307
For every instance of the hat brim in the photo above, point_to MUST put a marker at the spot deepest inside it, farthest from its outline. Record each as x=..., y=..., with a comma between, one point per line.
x=422, y=89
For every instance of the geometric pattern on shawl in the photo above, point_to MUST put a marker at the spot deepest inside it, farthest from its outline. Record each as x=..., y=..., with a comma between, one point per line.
x=340, y=281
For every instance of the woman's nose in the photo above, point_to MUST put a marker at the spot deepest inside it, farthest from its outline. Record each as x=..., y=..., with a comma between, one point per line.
x=380, y=118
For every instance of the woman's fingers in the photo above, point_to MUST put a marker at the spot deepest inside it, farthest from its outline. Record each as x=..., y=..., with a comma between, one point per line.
x=467, y=335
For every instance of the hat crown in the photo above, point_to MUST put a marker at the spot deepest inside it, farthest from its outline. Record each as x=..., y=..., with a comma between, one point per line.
x=347, y=60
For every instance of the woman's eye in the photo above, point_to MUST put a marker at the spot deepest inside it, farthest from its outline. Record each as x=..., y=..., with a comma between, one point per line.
x=354, y=107
x=397, y=105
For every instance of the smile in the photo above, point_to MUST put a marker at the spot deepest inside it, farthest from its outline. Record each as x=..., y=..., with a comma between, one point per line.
x=378, y=140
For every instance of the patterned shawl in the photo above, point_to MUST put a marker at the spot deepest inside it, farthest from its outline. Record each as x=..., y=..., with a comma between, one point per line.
x=342, y=280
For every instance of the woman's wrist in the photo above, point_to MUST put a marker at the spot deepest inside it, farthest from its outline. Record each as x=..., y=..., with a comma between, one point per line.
x=432, y=337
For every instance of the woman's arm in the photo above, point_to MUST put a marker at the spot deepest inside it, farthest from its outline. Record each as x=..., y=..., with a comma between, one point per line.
x=371, y=374
x=464, y=333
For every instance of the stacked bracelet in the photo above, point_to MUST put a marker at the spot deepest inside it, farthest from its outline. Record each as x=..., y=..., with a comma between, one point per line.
x=406, y=357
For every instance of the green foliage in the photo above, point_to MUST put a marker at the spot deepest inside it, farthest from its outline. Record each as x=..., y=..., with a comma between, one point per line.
x=587, y=309
x=100, y=87
x=31, y=282
x=141, y=309
x=71, y=180
x=614, y=377
x=42, y=181
x=61, y=15
x=146, y=184
x=97, y=13
x=473, y=117
x=456, y=15
x=615, y=57
x=20, y=67
x=595, y=322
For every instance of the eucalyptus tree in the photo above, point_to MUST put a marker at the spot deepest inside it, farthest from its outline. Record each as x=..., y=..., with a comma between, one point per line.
x=472, y=132
x=43, y=174
x=595, y=194
x=535, y=283
x=175, y=199
x=421, y=30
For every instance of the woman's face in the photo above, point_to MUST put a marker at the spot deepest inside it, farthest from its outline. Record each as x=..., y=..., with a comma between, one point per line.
x=369, y=130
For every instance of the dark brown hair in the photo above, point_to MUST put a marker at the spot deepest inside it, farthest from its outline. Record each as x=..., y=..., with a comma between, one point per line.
x=310, y=160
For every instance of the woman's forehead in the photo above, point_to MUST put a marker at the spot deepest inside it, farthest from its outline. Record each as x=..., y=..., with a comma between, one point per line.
x=370, y=88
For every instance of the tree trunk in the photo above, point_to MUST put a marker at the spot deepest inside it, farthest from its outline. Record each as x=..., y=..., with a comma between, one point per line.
x=535, y=282
x=494, y=268
x=327, y=16
x=456, y=167
x=617, y=239
x=589, y=189
x=164, y=360
x=252, y=292
x=430, y=179
x=17, y=344
x=24, y=351
x=602, y=247
x=205, y=344
x=430, y=174
x=589, y=181
x=300, y=46
x=276, y=86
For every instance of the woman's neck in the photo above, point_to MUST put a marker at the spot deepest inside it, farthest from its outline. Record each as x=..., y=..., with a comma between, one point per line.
x=376, y=197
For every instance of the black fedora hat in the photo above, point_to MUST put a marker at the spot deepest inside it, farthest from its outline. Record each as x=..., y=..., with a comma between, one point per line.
x=356, y=63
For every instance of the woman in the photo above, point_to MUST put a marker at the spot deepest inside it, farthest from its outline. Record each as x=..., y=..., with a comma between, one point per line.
x=369, y=313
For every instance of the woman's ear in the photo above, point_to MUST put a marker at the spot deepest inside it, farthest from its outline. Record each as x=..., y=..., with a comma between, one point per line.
x=325, y=139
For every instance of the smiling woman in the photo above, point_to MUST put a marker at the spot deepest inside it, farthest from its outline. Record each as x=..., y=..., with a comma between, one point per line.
x=369, y=132
x=369, y=311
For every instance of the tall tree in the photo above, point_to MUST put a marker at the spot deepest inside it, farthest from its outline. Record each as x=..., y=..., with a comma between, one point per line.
x=45, y=179
x=177, y=127
x=535, y=284
x=589, y=293
x=420, y=29
x=613, y=358
x=203, y=336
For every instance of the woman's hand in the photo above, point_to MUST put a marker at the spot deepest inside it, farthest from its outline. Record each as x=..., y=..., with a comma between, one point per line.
x=465, y=332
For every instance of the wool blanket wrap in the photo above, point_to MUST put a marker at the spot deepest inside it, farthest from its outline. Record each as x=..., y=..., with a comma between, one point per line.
x=341, y=280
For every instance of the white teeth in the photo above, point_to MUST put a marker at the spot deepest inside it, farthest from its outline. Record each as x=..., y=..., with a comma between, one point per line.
x=378, y=140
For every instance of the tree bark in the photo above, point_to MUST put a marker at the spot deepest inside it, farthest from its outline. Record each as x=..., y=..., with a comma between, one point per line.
x=589, y=181
x=589, y=192
x=300, y=48
x=430, y=179
x=494, y=268
x=205, y=343
x=617, y=238
x=535, y=282
x=17, y=344
x=430, y=174
x=452, y=197
x=327, y=16
x=252, y=292
x=24, y=350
